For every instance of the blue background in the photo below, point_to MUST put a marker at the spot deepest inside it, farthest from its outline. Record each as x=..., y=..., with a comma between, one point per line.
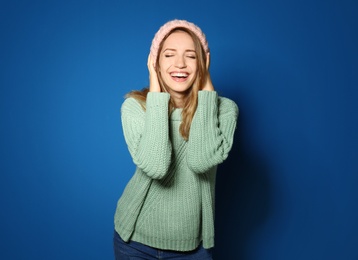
x=289, y=187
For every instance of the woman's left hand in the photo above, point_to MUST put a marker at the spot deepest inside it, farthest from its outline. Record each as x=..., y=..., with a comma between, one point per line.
x=208, y=86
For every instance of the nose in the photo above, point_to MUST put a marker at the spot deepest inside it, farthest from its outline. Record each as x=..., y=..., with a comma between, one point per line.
x=180, y=62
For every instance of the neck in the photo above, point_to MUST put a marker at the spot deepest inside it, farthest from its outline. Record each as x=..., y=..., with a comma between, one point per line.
x=178, y=99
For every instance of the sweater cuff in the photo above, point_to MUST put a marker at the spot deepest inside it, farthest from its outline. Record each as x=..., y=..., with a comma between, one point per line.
x=157, y=99
x=207, y=97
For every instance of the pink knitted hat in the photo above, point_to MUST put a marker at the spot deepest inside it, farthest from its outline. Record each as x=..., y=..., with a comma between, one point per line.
x=168, y=27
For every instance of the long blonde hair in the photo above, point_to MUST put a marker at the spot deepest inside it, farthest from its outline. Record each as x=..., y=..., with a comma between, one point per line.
x=191, y=100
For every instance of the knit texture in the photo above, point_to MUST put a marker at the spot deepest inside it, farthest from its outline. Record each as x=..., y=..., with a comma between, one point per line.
x=169, y=201
x=168, y=27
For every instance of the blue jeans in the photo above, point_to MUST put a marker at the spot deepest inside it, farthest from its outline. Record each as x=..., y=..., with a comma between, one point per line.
x=137, y=251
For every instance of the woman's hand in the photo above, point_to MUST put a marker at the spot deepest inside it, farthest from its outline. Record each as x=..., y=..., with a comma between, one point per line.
x=154, y=85
x=208, y=86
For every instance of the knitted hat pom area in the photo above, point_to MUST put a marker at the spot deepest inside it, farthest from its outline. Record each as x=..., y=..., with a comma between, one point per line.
x=171, y=25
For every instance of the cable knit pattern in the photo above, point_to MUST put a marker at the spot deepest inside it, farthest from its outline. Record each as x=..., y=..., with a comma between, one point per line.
x=169, y=201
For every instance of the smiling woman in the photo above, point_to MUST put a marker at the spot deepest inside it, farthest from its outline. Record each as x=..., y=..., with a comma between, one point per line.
x=177, y=131
x=177, y=65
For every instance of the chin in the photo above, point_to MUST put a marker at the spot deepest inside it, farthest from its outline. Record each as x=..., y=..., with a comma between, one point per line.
x=180, y=89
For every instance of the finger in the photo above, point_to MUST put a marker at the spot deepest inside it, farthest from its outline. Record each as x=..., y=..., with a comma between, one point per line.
x=149, y=60
x=208, y=60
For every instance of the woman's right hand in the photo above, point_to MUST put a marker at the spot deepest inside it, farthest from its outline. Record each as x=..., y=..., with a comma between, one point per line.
x=154, y=85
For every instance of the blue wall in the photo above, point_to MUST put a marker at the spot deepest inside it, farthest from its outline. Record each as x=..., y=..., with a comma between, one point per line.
x=289, y=188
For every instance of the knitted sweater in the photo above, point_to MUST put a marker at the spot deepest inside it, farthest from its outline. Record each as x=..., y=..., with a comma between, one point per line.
x=169, y=201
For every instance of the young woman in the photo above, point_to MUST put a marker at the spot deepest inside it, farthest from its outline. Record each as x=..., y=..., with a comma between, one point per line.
x=177, y=131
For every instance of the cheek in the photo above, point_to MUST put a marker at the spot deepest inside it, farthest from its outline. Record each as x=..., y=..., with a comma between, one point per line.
x=162, y=68
x=195, y=70
x=194, y=66
x=164, y=64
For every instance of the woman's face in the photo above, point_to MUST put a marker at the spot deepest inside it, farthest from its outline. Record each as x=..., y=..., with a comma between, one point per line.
x=177, y=63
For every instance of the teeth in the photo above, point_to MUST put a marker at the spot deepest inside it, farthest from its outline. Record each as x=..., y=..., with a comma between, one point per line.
x=179, y=74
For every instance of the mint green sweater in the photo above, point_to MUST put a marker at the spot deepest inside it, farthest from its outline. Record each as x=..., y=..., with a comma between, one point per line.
x=169, y=201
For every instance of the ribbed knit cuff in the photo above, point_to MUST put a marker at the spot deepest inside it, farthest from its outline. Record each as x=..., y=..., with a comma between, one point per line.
x=207, y=97
x=158, y=99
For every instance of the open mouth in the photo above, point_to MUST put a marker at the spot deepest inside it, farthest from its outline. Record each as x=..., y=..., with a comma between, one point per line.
x=179, y=76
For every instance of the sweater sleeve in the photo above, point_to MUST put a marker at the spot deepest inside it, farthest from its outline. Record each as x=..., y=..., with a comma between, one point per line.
x=211, y=132
x=147, y=133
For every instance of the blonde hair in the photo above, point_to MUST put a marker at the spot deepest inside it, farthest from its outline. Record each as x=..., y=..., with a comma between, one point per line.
x=191, y=100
